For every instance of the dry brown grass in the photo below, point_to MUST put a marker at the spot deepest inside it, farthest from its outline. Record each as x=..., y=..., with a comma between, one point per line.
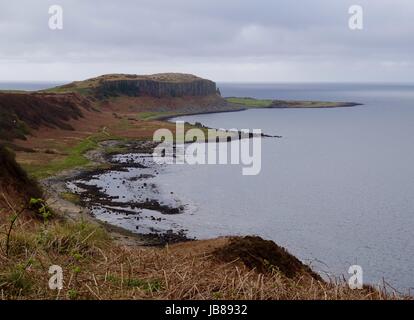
x=97, y=268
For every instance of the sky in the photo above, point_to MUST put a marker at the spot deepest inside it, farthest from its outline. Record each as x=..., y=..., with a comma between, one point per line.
x=222, y=40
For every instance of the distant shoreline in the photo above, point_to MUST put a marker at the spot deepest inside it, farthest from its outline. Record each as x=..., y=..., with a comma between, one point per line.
x=252, y=103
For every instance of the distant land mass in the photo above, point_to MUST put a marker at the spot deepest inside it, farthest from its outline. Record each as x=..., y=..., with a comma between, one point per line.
x=148, y=97
x=156, y=85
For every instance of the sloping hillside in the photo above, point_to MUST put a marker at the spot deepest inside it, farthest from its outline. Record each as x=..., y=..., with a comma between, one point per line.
x=21, y=112
x=50, y=130
x=16, y=187
x=55, y=107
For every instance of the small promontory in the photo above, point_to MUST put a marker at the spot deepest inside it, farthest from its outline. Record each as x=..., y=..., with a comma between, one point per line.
x=157, y=85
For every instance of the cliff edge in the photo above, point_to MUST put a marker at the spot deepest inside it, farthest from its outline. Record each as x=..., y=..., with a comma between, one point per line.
x=157, y=85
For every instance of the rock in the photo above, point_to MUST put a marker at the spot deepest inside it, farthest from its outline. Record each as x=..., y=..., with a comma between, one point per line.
x=164, y=85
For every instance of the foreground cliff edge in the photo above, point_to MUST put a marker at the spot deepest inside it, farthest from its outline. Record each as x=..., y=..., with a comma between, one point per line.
x=50, y=133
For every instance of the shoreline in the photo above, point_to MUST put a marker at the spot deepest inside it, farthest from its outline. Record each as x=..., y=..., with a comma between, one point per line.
x=169, y=117
x=58, y=185
x=284, y=104
x=101, y=162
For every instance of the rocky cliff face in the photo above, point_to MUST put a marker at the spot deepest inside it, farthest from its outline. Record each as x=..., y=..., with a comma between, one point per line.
x=158, y=86
x=161, y=85
x=157, y=89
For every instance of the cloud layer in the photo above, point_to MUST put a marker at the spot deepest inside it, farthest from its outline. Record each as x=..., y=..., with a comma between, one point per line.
x=283, y=40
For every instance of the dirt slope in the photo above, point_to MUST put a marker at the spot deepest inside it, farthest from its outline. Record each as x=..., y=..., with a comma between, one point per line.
x=22, y=112
x=16, y=188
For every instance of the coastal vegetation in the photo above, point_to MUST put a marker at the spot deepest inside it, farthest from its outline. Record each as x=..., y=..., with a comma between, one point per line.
x=55, y=131
x=74, y=157
x=96, y=267
x=250, y=102
x=284, y=104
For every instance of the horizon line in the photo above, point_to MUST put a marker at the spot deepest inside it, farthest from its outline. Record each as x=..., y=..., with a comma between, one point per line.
x=240, y=82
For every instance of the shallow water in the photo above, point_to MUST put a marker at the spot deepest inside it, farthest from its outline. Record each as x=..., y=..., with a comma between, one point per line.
x=122, y=193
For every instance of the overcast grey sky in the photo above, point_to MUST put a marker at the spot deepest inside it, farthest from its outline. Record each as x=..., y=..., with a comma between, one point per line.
x=224, y=40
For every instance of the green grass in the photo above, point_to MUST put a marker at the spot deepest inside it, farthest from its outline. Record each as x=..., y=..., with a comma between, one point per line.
x=125, y=124
x=82, y=91
x=11, y=127
x=71, y=197
x=250, y=102
x=115, y=150
x=266, y=103
x=156, y=115
x=81, y=87
x=75, y=158
x=17, y=279
x=148, y=115
x=74, y=238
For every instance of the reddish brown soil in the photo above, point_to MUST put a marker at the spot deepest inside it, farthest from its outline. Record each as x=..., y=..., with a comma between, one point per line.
x=56, y=122
x=21, y=112
x=60, y=121
x=16, y=188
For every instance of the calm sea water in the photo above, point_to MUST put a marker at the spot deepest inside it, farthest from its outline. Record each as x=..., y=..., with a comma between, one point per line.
x=337, y=190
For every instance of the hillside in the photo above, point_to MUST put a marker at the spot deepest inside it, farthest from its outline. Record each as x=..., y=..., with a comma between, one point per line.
x=22, y=112
x=167, y=92
x=157, y=85
x=50, y=130
x=16, y=188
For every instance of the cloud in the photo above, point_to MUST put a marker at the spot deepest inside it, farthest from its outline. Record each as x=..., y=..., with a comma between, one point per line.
x=264, y=40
